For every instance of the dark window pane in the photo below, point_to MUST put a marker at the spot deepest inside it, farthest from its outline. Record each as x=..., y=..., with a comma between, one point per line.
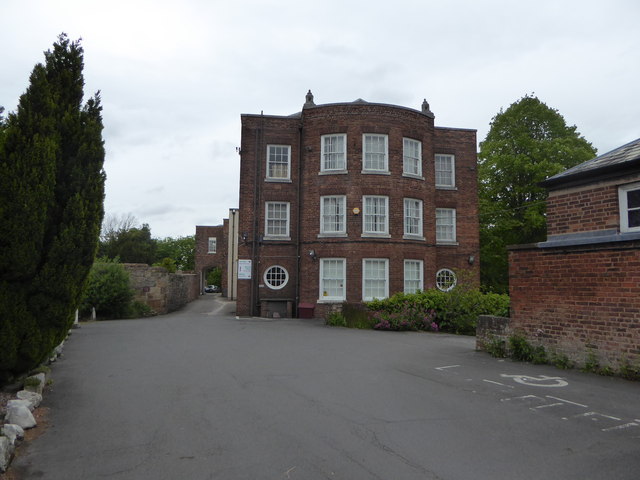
x=633, y=199
x=634, y=218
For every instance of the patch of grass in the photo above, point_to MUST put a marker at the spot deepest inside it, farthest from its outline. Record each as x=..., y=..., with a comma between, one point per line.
x=560, y=360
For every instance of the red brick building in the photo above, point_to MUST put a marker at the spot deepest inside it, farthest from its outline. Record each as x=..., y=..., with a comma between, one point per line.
x=578, y=293
x=350, y=202
x=211, y=252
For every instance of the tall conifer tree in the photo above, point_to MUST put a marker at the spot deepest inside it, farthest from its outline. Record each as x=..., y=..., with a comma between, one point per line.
x=51, y=207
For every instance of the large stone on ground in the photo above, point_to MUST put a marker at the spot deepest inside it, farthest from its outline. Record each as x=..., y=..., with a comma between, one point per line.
x=19, y=414
x=41, y=379
x=33, y=398
x=12, y=432
x=6, y=452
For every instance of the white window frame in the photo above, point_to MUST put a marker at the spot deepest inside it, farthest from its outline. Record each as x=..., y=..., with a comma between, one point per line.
x=409, y=205
x=439, y=171
x=340, y=217
x=368, y=214
x=212, y=244
x=366, y=162
x=446, y=279
x=342, y=277
x=341, y=156
x=624, y=207
x=271, y=150
x=267, y=219
x=412, y=160
x=366, y=277
x=409, y=282
x=445, y=218
x=265, y=277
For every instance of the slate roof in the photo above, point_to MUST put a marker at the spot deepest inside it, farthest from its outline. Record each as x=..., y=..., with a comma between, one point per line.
x=617, y=161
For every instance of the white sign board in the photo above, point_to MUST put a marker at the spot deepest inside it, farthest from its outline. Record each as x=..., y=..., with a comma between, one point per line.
x=244, y=269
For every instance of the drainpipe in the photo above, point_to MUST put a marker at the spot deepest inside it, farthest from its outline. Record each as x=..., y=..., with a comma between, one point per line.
x=298, y=196
x=259, y=147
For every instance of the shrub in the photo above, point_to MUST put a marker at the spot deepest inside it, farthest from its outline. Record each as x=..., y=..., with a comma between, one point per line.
x=495, y=346
x=357, y=316
x=336, y=319
x=108, y=290
x=456, y=311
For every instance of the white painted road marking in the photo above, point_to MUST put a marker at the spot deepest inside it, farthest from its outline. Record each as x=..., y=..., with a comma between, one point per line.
x=541, y=381
x=448, y=366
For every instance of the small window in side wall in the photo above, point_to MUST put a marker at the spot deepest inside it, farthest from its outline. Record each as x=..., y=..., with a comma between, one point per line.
x=445, y=225
x=446, y=279
x=276, y=220
x=333, y=155
x=629, y=199
x=445, y=171
x=276, y=277
x=412, y=157
x=213, y=243
x=278, y=162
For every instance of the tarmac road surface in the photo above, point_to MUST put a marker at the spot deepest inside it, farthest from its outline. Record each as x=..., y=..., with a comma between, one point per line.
x=199, y=394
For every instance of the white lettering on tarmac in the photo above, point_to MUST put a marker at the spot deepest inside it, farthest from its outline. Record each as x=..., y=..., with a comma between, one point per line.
x=541, y=381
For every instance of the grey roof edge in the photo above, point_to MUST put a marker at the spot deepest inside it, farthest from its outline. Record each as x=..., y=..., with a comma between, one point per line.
x=584, y=173
x=358, y=102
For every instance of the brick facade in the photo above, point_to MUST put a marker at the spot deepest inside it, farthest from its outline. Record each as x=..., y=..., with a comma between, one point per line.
x=578, y=293
x=305, y=248
x=205, y=261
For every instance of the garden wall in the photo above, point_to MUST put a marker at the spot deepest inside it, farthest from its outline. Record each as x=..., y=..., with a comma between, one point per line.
x=162, y=291
x=579, y=299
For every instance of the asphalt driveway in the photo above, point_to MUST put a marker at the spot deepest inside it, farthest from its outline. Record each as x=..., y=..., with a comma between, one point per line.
x=199, y=394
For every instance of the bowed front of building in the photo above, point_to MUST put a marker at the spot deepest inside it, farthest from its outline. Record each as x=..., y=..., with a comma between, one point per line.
x=351, y=202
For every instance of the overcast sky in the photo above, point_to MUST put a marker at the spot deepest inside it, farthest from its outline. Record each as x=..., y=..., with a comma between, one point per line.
x=176, y=75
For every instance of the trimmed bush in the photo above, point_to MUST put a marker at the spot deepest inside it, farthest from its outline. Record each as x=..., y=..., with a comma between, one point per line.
x=108, y=290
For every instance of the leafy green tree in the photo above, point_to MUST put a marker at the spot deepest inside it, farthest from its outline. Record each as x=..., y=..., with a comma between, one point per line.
x=214, y=277
x=181, y=250
x=527, y=143
x=51, y=207
x=133, y=245
x=108, y=290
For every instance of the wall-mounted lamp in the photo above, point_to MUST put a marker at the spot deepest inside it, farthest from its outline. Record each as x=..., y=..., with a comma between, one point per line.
x=308, y=149
x=472, y=259
x=312, y=254
x=244, y=237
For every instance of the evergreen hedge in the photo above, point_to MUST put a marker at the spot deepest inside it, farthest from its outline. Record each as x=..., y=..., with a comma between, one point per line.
x=51, y=207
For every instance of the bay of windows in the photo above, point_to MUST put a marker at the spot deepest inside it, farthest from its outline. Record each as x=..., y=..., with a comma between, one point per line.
x=376, y=215
x=375, y=278
x=375, y=153
x=333, y=153
x=412, y=157
x=412, y=217
x=413, y=276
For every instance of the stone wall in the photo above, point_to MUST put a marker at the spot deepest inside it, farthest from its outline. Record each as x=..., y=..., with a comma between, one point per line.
x=162, y=291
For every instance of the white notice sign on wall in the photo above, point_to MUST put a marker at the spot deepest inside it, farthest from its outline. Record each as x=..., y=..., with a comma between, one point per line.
x=244, y=269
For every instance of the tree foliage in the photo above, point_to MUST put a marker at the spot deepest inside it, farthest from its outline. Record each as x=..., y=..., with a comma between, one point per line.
x=527, y=143
x=108, y=290
x=181, y=250
x=132, y=245
x=51, y=206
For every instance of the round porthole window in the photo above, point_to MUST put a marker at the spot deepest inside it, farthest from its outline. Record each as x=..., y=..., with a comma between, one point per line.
x=276, y=277
x=446, y=279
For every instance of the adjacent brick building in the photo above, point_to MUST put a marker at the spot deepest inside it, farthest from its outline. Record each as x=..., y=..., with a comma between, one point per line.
x=211, y=251
x=349, y=202
x=579, y=292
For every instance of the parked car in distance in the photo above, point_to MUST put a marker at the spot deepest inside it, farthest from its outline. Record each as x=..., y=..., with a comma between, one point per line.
x=211, y=289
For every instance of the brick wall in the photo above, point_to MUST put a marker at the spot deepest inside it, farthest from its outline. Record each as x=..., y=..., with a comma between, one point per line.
x=205, y=261
x=307, y=186
x=579, y=299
